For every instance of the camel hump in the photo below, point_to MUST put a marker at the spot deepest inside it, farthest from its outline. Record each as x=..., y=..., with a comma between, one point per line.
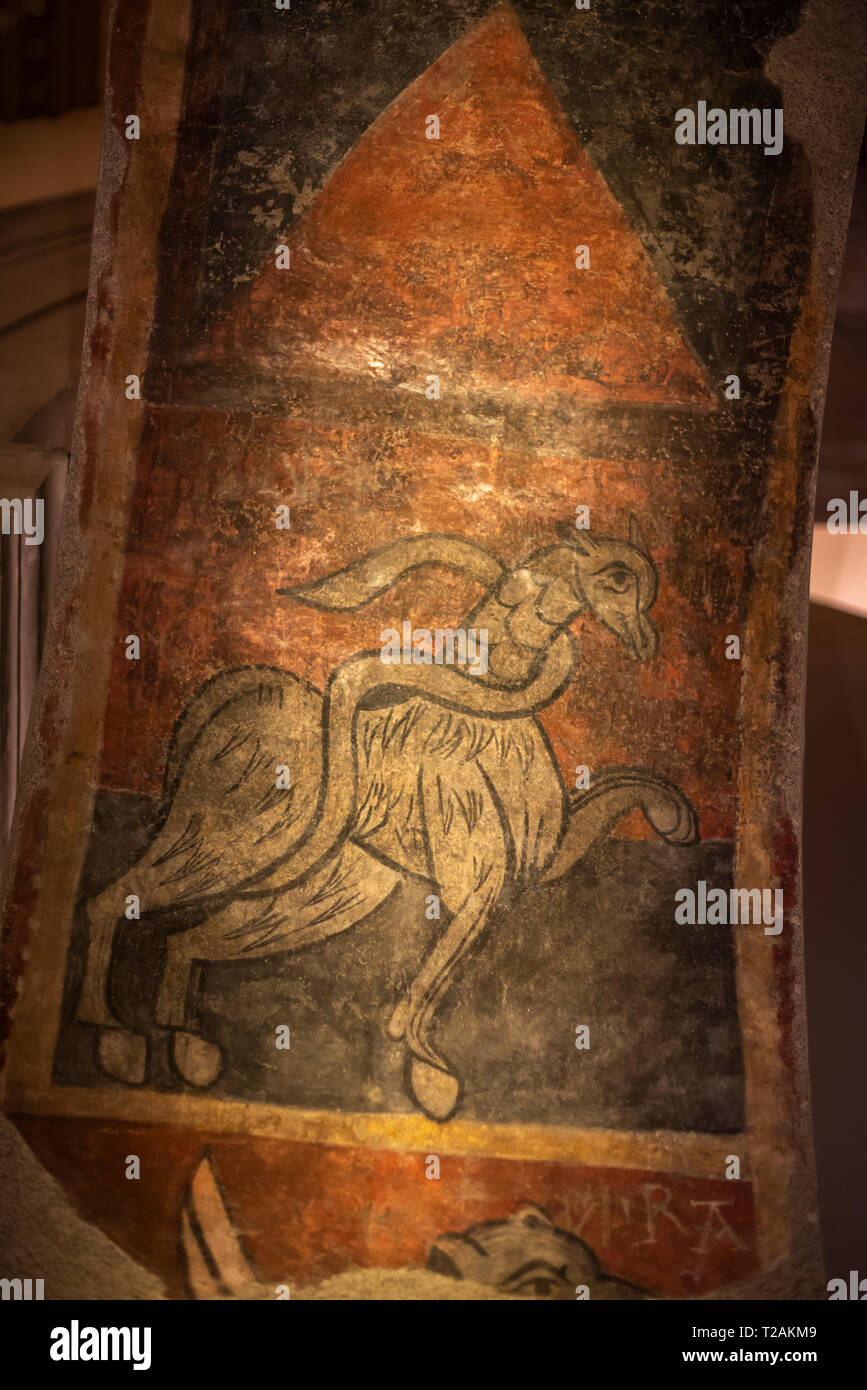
x=266, y=688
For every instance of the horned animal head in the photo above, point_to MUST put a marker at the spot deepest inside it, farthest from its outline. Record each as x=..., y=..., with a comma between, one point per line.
x=529, y=609
x=618, y=582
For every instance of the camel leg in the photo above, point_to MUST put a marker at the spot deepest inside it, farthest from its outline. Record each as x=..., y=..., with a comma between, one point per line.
x=617, y=791
x=469, y=866
x=198, y=1061
x=332, y=901
x=103, y=914
x=431, y=1080
x=175, y=1004
x=120, y=1053
x=340, y=895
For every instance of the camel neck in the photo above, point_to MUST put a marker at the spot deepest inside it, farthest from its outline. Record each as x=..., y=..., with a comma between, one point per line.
x=518, y=635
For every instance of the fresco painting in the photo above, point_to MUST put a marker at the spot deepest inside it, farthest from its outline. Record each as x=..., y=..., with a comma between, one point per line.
x=433, y=621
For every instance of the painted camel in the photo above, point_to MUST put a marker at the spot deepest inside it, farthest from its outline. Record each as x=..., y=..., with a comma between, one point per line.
x=424, y=770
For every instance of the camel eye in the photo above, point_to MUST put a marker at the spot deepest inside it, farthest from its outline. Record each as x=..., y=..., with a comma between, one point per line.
x=539, y=1280
x=543, y=1288
x=618, y=580
x=540, y=1286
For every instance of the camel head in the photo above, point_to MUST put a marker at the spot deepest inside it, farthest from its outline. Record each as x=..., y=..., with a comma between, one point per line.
x=617, y=581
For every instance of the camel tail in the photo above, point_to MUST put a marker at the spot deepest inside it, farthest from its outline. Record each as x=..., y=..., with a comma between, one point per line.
x=351, y=588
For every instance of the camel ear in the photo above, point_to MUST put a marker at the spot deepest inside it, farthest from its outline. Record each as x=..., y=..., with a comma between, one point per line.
x=636, y=537
x=532, y=1216
x=567, y=532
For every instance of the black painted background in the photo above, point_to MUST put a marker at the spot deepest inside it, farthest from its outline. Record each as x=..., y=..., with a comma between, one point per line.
x=599, y=947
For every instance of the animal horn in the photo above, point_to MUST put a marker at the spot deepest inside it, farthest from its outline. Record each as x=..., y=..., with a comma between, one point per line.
x=351, y=588
x=581, y=541
x=636, y=537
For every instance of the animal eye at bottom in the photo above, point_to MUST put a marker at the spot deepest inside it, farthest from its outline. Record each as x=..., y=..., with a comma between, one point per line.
x=540, y=1288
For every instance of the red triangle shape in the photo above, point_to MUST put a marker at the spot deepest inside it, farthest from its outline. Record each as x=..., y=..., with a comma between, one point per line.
x=457, y=256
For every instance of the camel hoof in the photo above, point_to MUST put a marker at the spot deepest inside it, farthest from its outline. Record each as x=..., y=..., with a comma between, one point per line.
x=198, y=1062
x=435, y=1090
x=123, y=1055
